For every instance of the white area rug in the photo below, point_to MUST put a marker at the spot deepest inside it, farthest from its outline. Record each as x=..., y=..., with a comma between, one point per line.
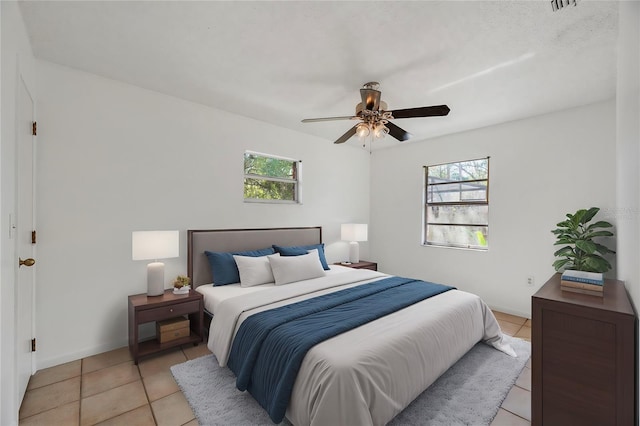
x=469, y=393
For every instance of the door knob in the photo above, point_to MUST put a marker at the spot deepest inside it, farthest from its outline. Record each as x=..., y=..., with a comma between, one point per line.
x=26, y=262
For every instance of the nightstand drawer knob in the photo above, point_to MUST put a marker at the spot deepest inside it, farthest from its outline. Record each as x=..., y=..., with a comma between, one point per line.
x=171, y=310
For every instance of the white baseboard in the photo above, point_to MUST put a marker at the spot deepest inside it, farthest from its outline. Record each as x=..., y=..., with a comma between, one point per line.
x=511, y=311
x=73, y=356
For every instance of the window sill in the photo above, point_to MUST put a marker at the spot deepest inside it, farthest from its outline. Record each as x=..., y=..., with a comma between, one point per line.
x=481, y=250
x=256, y=201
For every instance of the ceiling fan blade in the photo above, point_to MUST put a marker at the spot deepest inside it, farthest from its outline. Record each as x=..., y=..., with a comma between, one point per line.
x=313, y=120
x=398, y=133
x=370, y=99
x=429, y=111
x=347, y=136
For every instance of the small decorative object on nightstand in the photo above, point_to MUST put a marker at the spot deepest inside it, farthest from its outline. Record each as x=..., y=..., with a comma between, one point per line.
x=143, y=309
x=181, y=285
x=363, y=264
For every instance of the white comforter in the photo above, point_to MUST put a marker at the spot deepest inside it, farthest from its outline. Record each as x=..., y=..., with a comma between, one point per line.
x=367, y=375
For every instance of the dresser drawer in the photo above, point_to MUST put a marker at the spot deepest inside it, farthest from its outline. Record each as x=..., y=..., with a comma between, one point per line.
x=165, y=312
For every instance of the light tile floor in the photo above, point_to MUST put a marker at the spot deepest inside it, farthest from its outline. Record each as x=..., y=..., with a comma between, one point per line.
x=108, y=389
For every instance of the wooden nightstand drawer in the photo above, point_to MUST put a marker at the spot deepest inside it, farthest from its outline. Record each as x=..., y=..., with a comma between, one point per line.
x=165, y=312
x=373, y=267
x=363, y=264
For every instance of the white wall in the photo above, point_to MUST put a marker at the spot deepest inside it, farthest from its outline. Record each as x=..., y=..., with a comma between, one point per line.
x=16, y=62
x=628, y=150
x=540, y=168
x=114, y=158
x=628, y=147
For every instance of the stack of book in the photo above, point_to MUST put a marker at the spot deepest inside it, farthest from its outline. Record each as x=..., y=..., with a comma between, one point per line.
x=582, y=282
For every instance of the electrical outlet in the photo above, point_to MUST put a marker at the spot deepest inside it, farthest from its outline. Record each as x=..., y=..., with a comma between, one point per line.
x=530, y=280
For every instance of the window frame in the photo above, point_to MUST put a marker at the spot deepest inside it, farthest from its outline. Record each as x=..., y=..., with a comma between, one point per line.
x=426, y=205
x=296, y=180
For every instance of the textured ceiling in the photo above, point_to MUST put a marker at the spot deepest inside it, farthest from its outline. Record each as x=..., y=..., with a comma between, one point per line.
x=279, y=62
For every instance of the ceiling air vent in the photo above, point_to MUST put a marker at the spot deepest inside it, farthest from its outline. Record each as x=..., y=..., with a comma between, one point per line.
x=559, y=4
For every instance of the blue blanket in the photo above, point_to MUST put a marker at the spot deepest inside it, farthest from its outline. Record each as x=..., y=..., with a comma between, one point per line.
x=269, y=347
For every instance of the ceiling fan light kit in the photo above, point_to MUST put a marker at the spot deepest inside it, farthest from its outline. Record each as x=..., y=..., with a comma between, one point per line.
x=375, y=118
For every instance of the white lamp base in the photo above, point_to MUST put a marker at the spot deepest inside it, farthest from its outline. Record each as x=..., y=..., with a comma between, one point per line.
x=354, y=252
x=155, y=279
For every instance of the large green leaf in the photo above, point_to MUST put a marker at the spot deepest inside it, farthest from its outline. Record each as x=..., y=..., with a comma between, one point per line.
x=589, y=214
x=567, y=235
x=599, y=234
x=603, y=249
x=577, y=218
x=586, y=246
x=564, y=241
x=564, y=251
x=596, y=263
x=599, y=224
x=558, y=264
x=565, y=224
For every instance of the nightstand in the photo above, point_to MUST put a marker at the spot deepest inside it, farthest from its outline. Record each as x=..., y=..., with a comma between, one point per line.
x=143, y=309
x=363, y=264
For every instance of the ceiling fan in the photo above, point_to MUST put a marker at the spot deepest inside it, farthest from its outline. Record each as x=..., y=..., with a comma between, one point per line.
x=375, y=118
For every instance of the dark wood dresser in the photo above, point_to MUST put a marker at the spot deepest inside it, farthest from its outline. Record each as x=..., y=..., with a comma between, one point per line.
x=583, y=366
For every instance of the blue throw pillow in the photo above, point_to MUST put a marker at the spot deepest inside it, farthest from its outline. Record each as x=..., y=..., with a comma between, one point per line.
x=224, y=268
x=298, y=250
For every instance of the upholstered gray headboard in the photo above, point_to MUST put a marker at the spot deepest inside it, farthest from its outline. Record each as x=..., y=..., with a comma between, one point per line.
x=229, y=240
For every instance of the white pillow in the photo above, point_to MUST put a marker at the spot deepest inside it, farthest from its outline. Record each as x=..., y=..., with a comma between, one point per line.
x=254, y=270
x=288, y=269
x=317, y=253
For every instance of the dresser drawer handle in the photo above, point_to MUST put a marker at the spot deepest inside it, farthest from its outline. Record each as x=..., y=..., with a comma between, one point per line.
x=171, y=310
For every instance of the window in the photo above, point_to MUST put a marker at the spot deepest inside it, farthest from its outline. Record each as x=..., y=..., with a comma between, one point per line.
x=271, y=179
x=456, y=207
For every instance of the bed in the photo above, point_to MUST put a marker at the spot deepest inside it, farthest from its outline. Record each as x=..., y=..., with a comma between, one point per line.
x=363, y=376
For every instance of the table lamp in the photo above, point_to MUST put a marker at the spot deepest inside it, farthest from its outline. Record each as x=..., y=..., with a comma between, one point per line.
x=354, y=232
x=146, y=245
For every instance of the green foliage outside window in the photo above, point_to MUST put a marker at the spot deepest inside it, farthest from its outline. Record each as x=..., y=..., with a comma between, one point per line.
x=269, y=178
x=461, y=171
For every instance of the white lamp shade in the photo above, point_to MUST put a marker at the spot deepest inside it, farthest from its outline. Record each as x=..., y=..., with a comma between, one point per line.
x=353, y=232
x=147, y=245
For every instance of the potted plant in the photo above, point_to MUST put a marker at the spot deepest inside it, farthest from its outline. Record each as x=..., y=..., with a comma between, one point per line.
x=580, y=252
x=181, y=284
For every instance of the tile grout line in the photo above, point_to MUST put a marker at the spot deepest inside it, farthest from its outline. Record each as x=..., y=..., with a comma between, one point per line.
x=528, y=421
x=119, y=386
x=514, y=385
x=80, y=402
x=146, y=394
x=180, y=390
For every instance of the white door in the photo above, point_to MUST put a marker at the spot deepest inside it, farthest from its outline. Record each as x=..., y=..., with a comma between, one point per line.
x=24, y=246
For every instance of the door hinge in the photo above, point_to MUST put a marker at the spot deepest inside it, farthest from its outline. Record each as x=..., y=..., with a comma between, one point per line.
x=33, y=345
x=33, y=237
x=34, y=128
